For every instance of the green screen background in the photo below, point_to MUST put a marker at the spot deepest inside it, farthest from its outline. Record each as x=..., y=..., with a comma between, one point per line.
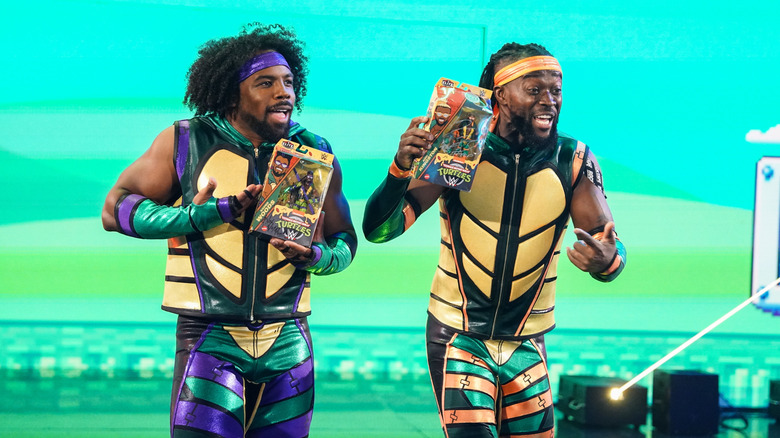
x=664, y=93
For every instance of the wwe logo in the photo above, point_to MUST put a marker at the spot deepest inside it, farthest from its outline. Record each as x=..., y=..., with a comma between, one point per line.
x=292, y=235
x=452, y=181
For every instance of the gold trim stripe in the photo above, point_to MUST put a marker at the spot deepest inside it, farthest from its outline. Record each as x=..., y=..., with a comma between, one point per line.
x=465, y=356
x=525, y=380
x=531, y=406
x=470, y=383
x=465, y=301
x=546, y=434
x=485, y=416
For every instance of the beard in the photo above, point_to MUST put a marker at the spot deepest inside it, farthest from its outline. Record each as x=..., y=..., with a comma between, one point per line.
x=265, y=130
x=530, y=139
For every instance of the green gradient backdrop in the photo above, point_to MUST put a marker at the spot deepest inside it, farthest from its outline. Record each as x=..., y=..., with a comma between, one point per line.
x=664, y=93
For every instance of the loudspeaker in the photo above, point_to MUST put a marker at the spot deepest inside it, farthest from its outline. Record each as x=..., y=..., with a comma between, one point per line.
x=685, y=402
x=586, y=400
x=774, y=399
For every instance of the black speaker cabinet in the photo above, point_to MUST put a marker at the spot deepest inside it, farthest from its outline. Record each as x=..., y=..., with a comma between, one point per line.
x=774, y=399
x=586, y=400
x=685, y=402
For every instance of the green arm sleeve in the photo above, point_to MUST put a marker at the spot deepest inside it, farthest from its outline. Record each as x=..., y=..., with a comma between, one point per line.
x=333, y=256
x=620, y=254
x=383, y=219
x=141, y=217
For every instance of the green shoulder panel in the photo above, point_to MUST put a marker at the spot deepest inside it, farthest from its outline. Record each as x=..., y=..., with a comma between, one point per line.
x=308, y=138
x=569, y=159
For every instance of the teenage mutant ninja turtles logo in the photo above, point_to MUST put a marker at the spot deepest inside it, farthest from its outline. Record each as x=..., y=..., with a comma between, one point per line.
x=292, y=226
x=287, y=225
x=453, y=177
x=291, y=230
x=454, y=173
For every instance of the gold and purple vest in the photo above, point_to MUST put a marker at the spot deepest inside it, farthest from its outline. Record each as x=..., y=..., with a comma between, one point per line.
x=227, y=273
x=500, y=242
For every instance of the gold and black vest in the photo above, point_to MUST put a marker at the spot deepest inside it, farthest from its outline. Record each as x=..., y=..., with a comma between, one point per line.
x=226, y=272
x=500, y=242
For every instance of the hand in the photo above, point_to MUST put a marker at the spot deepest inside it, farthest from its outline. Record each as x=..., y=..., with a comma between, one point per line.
x=414, y=142
x=248, y=196
x=591, y=255
x=244, y=199
x=294, y=252
x=297, y=253
x=205, y=193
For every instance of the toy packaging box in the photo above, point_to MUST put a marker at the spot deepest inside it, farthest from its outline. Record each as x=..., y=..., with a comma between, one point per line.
x=459, y=117
x=293, y=192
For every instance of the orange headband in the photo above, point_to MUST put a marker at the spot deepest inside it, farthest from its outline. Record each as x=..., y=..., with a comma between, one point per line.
x=523, y=67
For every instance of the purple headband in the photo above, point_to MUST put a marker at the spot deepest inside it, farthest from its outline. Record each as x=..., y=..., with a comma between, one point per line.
x=259, y=62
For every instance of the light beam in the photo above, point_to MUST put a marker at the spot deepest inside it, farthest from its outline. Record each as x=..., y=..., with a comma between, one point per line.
x=617, y=393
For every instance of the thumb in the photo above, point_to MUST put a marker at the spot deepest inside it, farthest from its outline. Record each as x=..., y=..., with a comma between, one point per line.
x=609, y=232
x=206, y=192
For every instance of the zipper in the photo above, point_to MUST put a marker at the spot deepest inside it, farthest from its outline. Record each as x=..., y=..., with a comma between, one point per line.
x=253, y=283
x=506, y=249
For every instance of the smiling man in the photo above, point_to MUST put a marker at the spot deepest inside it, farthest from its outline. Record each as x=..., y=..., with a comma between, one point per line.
x=493, y=293
x=441, y=114
x=243, y=349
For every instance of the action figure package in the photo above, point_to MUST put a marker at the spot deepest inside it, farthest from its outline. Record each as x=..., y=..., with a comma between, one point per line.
x=459, y=117
x=293, y=192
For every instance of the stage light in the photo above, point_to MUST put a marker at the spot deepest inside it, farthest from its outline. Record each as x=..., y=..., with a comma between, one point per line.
x=597, y=401
x=696, y=337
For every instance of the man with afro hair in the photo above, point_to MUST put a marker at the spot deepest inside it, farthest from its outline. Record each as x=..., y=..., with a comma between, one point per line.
x=244, y=362
x=493, y=293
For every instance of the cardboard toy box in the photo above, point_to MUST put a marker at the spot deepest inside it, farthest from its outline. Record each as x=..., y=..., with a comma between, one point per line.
x=293, y=192
x=459, y=117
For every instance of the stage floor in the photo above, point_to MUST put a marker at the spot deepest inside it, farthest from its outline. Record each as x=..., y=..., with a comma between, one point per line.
x=136, y=407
